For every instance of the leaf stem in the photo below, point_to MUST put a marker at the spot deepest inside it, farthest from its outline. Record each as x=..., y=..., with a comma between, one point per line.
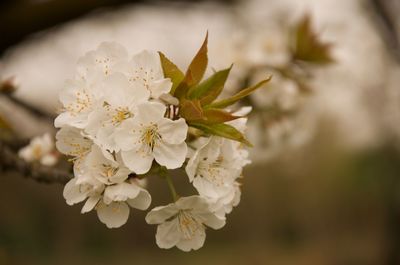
x=171, y=187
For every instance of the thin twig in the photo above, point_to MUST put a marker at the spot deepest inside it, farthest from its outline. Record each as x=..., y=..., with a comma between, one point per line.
x=171, y=187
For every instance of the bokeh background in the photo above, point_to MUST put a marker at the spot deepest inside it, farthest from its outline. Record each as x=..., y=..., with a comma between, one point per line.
x=324, y=186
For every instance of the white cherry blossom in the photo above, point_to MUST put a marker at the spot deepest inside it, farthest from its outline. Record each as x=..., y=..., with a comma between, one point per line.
x=224, y=205
x=73, y=142
x=41, y=149
x=145, y=69
x=214, y=167
x=96, y=64
x=150, y=136
x=111, y=202
x=113, y=210
x=119, y=102
x=115, y=126
x=80, y=188
x=183, y=223
x=104, y=169
x=79, y=98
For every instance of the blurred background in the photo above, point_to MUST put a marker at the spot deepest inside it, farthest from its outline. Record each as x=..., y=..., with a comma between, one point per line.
x=324, y=185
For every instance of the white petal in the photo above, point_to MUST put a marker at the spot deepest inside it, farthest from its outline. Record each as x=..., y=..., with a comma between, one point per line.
x=90, y=203
x=136, y=161
x=208, y=189
x=72, y=192
x=121, y=192
x=142, y=201
x=167, y=98
x=168, y=234
x=118, y=91
x=121, y=175
x=138, y=92
x=149, y=61
x=236, y=198
x=160, y=87
x=150, y=111
x=173, y=132
x=214, y=221
x=192, y=202
x=48, y=160
x=114, y=214
x=102, y=59
x=65, y=118
x=124, y=136
x=26, y=154
x=47, y=143
x=161, y=213
x=170, y=155
x=115, y=89
x=140, y=182
x=192, y=165
x=196, y=242
x=70, y=141
x=96, y=121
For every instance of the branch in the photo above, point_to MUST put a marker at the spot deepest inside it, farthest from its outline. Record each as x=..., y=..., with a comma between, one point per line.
x=10, y=162
x=7, y=88
x=28, y=107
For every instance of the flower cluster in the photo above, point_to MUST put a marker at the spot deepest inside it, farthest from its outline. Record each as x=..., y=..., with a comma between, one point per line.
x=124, y=120
x=40, y=149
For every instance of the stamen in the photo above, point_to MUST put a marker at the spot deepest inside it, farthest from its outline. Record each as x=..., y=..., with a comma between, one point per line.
x=188, y=224
x=108, y=170
x=150, y=137
x=81, y=103
x=121, y=115
x=212, y=171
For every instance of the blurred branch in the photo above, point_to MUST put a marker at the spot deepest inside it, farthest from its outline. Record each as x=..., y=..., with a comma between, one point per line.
x=21, y=18
x=37, y=112
x=7, y=88
x=388, y=21
x=10, y=162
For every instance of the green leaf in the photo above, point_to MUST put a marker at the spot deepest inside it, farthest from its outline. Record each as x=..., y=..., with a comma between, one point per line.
x=195, y=72
x=223, y=130
x=171, y=71
x=208, y=90
x=191, y=110
x=308, y=47
x=223, y=103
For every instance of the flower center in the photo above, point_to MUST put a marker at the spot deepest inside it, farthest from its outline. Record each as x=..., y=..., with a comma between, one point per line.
x=78, y=150
x=150, y=136
x=188, y=224
x=143, y=76
x=122, y=113
x=81, y=103
x=37, y=152
x=214, y=171
x=109, y=171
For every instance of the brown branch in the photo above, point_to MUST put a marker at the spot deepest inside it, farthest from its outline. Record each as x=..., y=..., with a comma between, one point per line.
x=10, y=162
